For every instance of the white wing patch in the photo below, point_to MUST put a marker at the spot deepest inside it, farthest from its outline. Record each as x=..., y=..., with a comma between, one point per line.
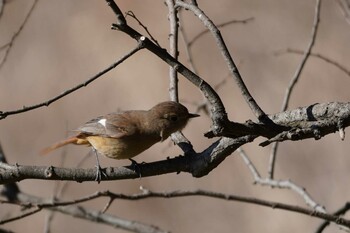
x=102, y=122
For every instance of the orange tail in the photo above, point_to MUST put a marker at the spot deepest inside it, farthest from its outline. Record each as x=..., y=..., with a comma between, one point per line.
x=71, y=140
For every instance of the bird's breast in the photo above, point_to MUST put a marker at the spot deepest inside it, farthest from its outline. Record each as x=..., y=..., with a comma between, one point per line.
x=121, y=148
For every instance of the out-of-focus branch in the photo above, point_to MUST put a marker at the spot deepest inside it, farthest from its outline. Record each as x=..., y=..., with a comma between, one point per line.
x=186, y=42
x=9, y=45
x=4, y=114
x=322, y=57
x=344, y=6
x=295, y=79
x=2, y=6
x=282, y=184
x=95, y=216
x=233, y=21
x=86, y=214
x=305, y=58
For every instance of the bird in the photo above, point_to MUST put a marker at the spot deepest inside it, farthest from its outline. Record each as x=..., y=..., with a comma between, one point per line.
x=124, y=135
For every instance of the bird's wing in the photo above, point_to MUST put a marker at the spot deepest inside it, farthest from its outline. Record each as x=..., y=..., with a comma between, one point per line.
x=114, y=125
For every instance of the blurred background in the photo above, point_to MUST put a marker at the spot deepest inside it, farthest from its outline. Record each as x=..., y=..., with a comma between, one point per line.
x=66, y=42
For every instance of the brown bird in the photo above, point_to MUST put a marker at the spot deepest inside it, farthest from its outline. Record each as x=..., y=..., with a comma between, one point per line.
x=126, y=134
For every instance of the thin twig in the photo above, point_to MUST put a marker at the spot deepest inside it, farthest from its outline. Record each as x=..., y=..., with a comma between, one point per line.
x=233, y=21
x=296, y=77
x=324, y=58
x=283, y=184
x=339, y=212
x=93, y=216
x=305, y=58
x=14, y=37
x=345, y=9
x=2, y=6
x=36, y=210
x=131, y=14
x=69, y=91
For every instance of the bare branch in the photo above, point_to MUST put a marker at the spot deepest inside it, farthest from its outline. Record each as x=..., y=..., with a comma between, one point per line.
x=93, y=216
x=324, y=58
x=131, y=14
x=306, y=56
x=14, y=37
x=233, y=21
x=2, y=6
x=73, y=89
x=344, y=6
x=197, y=165
x=187, y=48
x=175, y=194
x=282, y=184
x=26, y=214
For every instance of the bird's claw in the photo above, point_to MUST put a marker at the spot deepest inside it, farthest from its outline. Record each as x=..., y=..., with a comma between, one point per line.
x=136, y=167
x=99, y=173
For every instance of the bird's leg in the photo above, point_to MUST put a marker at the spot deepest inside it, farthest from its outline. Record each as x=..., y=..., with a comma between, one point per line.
x=136, y=167
x=99, y=171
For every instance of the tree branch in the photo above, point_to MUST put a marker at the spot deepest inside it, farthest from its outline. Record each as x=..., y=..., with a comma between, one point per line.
x=198, y=165
x=9, y=45
x=73, y=89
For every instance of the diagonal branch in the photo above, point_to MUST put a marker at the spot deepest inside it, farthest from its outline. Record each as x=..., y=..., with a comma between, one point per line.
x=324, y=58
x=73, y=89
x=92, y=215
x=9, y=45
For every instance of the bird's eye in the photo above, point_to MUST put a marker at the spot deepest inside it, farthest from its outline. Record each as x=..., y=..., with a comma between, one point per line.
x=173, y=118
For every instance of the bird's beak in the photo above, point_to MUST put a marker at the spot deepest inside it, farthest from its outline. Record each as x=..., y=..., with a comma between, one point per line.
x=192, y=115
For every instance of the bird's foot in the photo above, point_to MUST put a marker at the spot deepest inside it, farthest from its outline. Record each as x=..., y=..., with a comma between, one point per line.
x=136, y=167
x=99, y=173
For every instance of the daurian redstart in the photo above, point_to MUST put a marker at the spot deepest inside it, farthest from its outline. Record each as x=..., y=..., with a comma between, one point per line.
x=126, y=134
